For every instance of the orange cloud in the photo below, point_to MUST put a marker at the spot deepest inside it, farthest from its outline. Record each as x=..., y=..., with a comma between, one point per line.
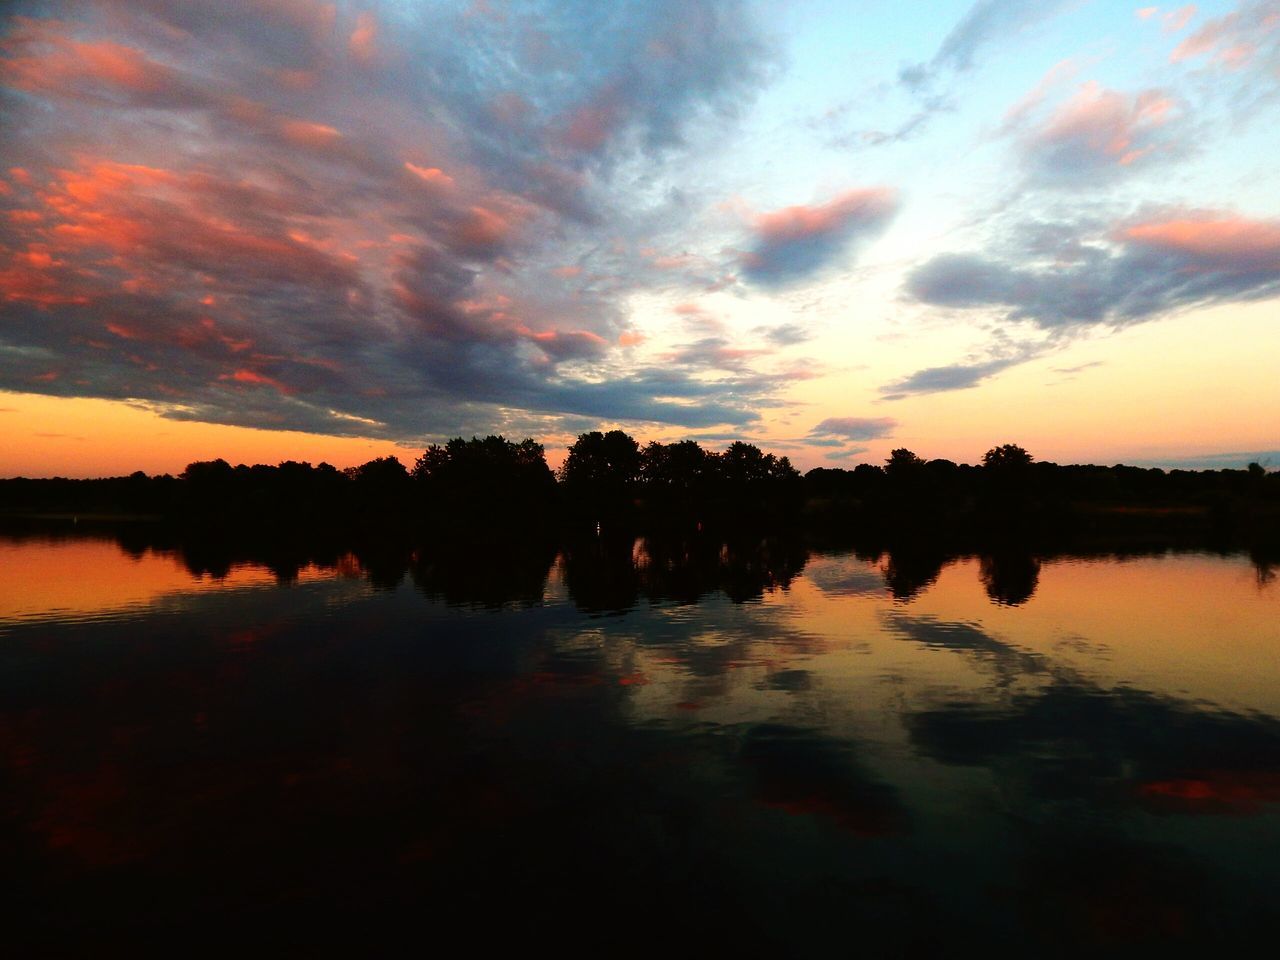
x=309, y=134
x=258, y=379
x=432, y=175
x=50, y=63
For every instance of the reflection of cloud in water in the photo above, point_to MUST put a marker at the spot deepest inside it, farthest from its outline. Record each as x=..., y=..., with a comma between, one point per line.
x=1074, y=740
x=804, y=772
x=1087, y=892
x=788, y=681
x=1083, y=646
x=845, y=576
x=964, y=638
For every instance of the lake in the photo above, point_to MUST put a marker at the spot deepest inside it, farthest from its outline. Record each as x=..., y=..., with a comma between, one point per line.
x=627, y=745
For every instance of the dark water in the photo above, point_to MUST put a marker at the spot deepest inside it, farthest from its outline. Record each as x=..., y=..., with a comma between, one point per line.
x=626, y=747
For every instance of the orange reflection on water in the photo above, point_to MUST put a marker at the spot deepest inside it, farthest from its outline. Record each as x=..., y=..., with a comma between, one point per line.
x=88, y=579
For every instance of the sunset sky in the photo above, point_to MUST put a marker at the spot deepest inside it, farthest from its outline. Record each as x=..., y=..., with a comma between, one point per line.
x=294, y=229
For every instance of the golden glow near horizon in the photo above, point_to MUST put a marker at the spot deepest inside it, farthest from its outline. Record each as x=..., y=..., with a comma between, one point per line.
x=56, y=436
x=1179, y=390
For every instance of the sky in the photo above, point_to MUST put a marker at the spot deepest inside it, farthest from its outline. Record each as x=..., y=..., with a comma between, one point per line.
x=302, y=229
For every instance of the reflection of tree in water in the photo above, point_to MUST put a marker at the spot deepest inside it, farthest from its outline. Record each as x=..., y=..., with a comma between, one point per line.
x=1264, y=564
x=285, y=558
x=612, y=574
x=908, y=571
x=1010, y=577
x=384, y=565
x=601, y=575
x=489, y=575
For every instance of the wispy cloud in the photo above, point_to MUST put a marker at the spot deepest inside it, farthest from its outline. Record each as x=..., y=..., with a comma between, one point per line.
x=986, y=24
x=855, y=428
x=957, y=376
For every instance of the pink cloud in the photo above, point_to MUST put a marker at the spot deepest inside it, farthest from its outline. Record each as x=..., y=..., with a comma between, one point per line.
x=1233, y=40
x=1054, y=77
x=1217, y=239
x=797, y=241
x=797, y=222
x=1176, y=20
x=592, y=124
x=480, y=228
x=1098, y=127
x=362, y=43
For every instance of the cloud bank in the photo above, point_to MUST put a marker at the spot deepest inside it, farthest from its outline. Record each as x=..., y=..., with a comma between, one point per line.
x=352, y=219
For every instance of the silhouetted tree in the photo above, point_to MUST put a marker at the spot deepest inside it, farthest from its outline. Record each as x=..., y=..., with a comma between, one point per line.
x=208, y=473
x=1006, y=476
x=676, y=478
x=744, y=465
x=903, y=465
x=1006, y=457
x=601, y=471
x=381, y=486
x=679, y=468
x=486, y=480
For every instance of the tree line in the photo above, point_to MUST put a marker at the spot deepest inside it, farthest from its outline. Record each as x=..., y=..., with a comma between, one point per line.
x=609, y=477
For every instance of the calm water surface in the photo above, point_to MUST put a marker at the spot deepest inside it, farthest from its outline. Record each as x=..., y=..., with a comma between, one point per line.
x=623, y=747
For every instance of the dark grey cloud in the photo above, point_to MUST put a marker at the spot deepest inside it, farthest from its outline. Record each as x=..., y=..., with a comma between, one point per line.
x=795, y=243
x=357, y=219
x=1093, y=275
x=786, y=334
x=855, y=428
x=1138, y=271
x=846, y=453
x=956, y=376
